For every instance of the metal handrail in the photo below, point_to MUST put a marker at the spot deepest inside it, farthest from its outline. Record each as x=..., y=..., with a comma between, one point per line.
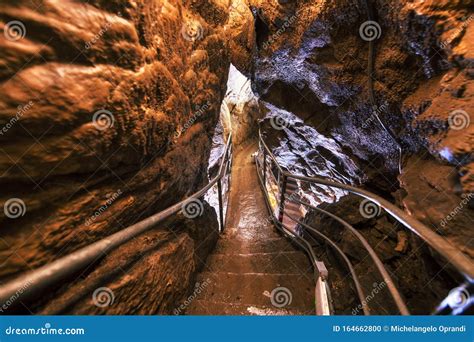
x=35, y=281
x=378, y=263
x=322, y=292
x=355, y=278
x=359, y=290
x=455, y=257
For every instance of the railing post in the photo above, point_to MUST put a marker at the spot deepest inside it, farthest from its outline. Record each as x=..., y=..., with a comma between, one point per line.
x=282, y=198
x=321, y=294
x=265, y=168
x=221, y=204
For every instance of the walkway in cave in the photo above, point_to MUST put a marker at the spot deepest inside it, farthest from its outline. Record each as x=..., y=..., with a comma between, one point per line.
x=252, y=260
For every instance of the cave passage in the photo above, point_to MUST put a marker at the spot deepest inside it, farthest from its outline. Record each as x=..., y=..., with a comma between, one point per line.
x=251, y=258
x=236, y=157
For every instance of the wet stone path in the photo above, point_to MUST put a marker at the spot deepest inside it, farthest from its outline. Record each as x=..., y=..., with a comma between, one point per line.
x=254, y=270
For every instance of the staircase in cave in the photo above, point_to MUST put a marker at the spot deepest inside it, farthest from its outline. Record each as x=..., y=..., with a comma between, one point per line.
x=291, y=209
x=254, y=270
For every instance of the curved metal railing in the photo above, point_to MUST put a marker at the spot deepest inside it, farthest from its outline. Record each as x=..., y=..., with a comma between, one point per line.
x=461, y=262
x=34, y=282
x=322, y=292
x=455, y=257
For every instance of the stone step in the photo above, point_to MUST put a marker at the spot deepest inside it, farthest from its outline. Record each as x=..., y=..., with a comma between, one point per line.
x=260, y=231
x=246, y=246
x=293, y=210
x=290, y=204
x=291, y=187
x=293, y=262
x=255, y=289
x=205, y=307
x=289, y=224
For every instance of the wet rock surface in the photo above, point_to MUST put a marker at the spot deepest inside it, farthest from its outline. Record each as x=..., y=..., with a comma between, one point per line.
x=312, y=61
x=241, y=108
x=108, y=107
x=302, y=150
x=108, y=114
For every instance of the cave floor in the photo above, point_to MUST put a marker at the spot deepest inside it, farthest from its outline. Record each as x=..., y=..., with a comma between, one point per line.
x=252, y=259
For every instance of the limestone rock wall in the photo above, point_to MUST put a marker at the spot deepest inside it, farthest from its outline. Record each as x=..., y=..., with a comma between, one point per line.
x=107, y=110
x=312, y=60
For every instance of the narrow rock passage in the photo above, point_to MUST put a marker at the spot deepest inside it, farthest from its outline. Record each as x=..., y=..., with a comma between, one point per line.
x=252, y=259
